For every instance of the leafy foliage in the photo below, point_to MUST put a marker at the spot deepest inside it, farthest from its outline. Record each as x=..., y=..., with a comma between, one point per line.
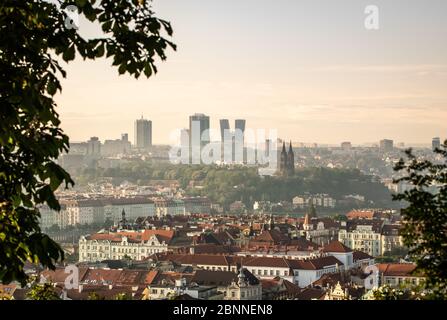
x=33, y=39
x=43, y=291
x=95, y=296
x=388, y=293
x=225, y=185
x=122, y=296
x=425, y=216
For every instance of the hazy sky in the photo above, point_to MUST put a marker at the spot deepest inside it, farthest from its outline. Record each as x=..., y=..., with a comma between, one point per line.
x=307, y=68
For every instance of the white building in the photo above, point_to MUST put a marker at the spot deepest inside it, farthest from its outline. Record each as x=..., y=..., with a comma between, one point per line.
x=300, y=272
x=172, y=207
x=362, y=235
x=243, y=289
x=135, y=245
x=134, y=208
x=317, y=200
x=96, y=211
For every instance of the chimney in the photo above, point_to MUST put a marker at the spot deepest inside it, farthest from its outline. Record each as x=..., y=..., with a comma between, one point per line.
x=80, y=288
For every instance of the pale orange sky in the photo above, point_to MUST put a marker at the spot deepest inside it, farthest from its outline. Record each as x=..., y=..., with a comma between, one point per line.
x=307, y=68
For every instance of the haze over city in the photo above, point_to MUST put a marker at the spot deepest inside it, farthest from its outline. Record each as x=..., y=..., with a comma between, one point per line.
x=307, y=68
x=287, y=151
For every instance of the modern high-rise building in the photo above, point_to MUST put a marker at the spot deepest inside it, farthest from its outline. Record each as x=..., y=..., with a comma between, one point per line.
x=224, y=125
x=94, y=147
x=268, y=147
x=239, y=141
x=199, y=135
x=124, y=137
x=386, y=145
x=239, y=124
x=143, y=133
x=200, y=122
x=436, y=143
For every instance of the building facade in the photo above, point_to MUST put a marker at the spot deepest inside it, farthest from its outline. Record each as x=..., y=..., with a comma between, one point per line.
x=134, y=245
x=143, y=134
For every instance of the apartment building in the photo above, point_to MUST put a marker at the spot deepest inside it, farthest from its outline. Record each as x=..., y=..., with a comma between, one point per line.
x=372, y=236
x=362, y=235
x=135, y=245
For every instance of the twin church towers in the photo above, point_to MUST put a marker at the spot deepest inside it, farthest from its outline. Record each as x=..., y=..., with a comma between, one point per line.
x=287, y=161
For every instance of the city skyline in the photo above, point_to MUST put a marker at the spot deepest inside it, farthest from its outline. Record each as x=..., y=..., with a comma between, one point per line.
x=216, y=134
x=285, y=71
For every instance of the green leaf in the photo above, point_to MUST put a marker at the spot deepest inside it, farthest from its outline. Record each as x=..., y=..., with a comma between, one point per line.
x=51, y=88
x=69, y=54
x=107, y=25
x=147, y=69
x=81, y=3
x=100, y=50
x=122, y=68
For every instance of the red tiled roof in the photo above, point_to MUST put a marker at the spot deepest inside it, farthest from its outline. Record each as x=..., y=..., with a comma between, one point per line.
x=396, y=269
x=58, y=275
x=272, y=236
x=99, y=276
x=360, y=255
x=336, y=246
x=199, y=259
x=266, y=262
x=357, y=214
x=164, y=235
x=150, y=276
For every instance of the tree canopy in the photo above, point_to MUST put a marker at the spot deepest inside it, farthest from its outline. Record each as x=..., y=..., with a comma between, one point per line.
x=34, y=38
x=425, y=216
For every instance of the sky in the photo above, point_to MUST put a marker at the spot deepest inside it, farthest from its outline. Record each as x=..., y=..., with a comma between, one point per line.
x=308, y=68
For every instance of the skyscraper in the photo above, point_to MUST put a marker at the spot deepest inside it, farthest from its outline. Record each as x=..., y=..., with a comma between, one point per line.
x=239, y=124
x=267, y=147
x=94, y=147
x=143, y=133
x=436, y=143
x=199, y=135
x=239, y=141
x=386, y=145
x=224, y=125
x=202, y=123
